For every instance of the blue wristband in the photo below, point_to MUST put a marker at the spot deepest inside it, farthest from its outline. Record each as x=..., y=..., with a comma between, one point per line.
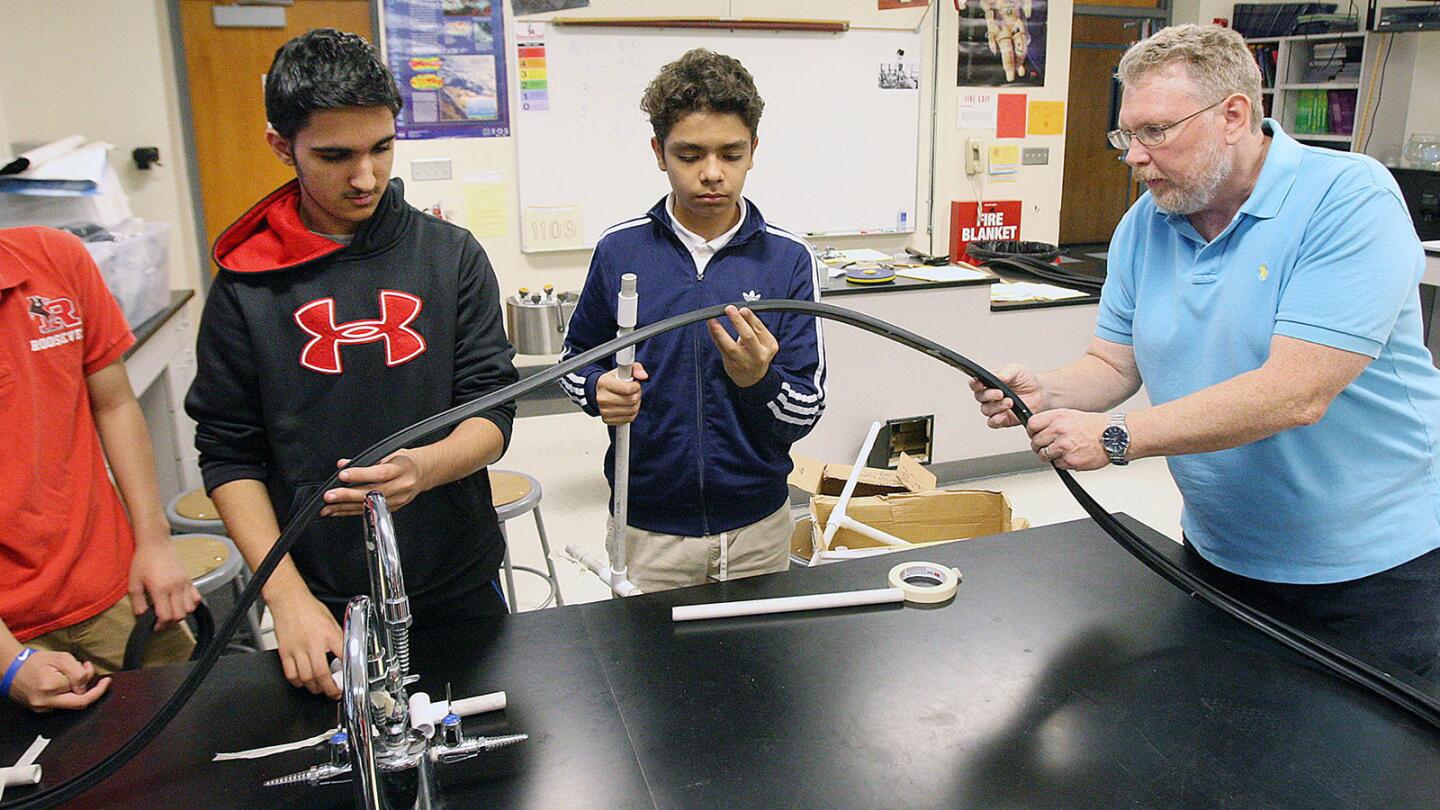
x=14, y=670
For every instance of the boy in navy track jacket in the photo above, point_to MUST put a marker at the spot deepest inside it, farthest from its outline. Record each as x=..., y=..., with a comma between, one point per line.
x=340, y=315
x=710, y=447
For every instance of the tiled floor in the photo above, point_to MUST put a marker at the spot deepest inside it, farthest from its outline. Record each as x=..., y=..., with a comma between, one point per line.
x=565, y=452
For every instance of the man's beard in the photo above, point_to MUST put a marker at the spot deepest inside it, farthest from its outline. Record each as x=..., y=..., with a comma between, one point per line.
x=1198, y=191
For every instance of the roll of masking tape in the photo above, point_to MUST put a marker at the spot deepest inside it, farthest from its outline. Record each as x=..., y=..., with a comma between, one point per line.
x=925, y=582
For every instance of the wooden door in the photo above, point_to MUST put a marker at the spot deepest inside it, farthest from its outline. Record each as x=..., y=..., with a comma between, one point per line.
x=226, y=67
x=1097, y=189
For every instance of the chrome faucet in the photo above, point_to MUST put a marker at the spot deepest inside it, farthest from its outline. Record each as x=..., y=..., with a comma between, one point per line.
x=387, y=581
x=389, y=759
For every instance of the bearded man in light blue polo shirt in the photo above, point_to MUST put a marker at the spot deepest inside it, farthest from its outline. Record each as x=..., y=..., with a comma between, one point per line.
x=1266, y=294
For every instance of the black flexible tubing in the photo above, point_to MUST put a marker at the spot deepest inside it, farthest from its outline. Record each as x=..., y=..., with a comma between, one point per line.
x=1026, y=266
x=1422, y=705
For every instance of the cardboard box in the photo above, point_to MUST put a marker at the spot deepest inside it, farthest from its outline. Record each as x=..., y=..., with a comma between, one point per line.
x=819, y=478
x=902, y=502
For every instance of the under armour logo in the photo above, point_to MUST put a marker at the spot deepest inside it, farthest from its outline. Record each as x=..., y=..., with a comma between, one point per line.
x=53, y=314
x=397, y=311
x=750, y=295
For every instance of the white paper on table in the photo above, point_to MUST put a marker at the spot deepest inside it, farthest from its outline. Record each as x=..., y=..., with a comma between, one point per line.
x=864, y=255
x=1433, y=245
x=941, y=273
x=1031, y=291
x=257, y=753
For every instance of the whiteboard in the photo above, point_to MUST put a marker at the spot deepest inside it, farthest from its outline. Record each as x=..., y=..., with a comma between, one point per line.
x=837, y=153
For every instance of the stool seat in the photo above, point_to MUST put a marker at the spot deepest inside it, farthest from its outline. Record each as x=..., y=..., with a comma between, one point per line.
x=214, y=563
x=194, y=513
x=513, y=494
x=209, y=560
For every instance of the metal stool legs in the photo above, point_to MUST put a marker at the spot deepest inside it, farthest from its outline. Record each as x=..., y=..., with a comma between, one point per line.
x=252, y=617
x=549, y=563
x=515, y=494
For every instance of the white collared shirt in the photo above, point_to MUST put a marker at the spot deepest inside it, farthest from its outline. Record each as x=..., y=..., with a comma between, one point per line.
x=701, y=249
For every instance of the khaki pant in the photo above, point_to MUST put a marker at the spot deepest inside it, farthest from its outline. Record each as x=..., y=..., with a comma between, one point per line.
x=101, y=640
x=658, y=562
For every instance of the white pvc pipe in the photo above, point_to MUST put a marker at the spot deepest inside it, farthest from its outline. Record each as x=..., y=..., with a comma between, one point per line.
x=786, y=604
x=618, y=584
x=425, y=715
x=837, y=516
x=626, y=312
x=871, y=532
x=20, y=775
x=479, y=704
x=851, y=553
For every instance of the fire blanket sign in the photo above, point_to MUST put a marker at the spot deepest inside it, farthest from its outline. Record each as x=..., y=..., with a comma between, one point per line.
x=972, y=222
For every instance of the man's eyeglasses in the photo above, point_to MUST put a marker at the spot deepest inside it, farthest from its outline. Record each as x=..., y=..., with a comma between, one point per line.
x=1150, y=135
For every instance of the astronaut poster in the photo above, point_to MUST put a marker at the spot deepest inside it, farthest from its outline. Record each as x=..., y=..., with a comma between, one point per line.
x=1002, y=43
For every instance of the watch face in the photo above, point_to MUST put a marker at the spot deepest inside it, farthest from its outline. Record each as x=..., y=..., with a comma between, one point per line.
x=1115, y=439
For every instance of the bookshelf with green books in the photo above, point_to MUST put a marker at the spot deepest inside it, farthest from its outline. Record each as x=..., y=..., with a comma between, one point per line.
x=1313, y=84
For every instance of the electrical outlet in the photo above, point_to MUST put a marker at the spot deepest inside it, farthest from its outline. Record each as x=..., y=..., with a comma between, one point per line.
x=1035, y=156
x=974, y=161
x=430, y=169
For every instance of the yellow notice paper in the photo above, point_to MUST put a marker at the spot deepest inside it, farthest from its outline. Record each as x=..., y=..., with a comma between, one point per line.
x=1047, y=118
x=1004, y=161
x=487, y=205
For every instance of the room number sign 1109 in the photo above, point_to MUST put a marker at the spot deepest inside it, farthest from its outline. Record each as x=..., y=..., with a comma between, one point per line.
x=553, y=228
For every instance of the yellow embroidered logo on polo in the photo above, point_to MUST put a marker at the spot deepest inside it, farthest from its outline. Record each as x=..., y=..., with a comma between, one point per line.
x=1264, y=272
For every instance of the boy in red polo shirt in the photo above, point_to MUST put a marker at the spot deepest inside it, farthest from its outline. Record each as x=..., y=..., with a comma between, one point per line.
x=73, y=573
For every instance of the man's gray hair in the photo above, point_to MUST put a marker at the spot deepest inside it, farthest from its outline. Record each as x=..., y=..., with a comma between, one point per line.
x=1216, y=60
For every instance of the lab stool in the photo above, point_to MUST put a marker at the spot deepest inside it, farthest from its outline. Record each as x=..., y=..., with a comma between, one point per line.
x=213, y=563
x=193, y=513
x=514, y=494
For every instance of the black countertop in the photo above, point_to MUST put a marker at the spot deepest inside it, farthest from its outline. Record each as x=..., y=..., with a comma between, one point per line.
x=151, y=325
x=838, y=286
x=1078, y=259
x=1064, y=674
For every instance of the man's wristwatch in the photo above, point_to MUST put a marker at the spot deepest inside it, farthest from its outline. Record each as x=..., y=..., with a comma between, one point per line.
x=1116, y=440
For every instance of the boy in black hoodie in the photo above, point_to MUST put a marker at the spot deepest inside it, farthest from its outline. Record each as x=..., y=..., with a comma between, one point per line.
x=342, y=314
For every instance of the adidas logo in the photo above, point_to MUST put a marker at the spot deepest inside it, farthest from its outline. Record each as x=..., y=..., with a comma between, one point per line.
x=750, y=295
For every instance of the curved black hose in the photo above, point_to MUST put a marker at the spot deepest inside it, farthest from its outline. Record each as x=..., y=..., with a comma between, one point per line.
x=1029, y=267
x=145, y=628
x=1424, y=706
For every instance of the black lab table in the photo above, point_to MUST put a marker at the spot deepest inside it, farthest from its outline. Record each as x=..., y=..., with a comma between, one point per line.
x=1064, y=674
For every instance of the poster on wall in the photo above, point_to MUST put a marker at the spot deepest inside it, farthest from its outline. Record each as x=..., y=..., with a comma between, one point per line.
x=448, y=57
x=524, y=7
x=1002, y=43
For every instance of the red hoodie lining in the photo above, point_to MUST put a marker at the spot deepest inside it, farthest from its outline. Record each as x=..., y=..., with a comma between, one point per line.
x=271, y=236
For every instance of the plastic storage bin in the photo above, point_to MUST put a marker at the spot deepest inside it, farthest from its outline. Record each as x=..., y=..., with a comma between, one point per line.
x=135, y=268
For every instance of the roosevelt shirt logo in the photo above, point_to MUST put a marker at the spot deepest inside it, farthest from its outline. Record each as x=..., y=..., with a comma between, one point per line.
x=397, y=311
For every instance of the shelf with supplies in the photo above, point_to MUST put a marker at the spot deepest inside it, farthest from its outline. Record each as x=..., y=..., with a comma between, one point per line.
x=1315, y=84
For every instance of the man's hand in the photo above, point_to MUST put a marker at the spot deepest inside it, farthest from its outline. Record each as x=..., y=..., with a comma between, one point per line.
x=617, y=399
x=156, y=573
x=996, y=406
x=1069, y=439
x=305, y=631
x=747, y=356
x=400, y=478
x=54, y=680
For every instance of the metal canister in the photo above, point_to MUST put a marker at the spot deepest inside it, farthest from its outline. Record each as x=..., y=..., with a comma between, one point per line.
x=536, y=323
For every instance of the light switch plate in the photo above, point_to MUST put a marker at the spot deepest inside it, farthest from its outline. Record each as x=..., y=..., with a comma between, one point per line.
x=1035, y=156
x=430, y=169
